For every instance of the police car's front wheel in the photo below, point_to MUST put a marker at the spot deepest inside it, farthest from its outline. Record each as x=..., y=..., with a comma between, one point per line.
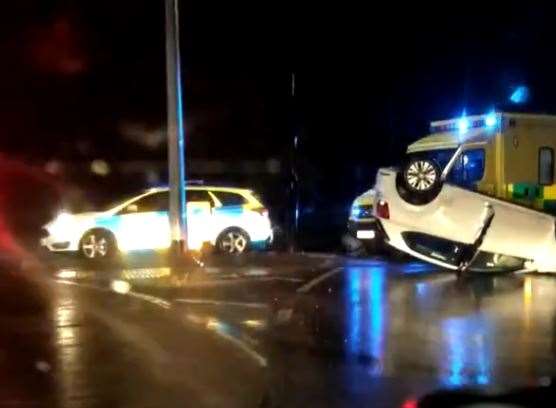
x=97, y=244
x=233, y=241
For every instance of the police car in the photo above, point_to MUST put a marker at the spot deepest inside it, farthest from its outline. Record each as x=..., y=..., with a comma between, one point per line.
x=362, y=224
x=232, y=219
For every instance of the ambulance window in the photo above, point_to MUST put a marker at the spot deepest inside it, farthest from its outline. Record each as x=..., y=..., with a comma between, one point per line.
x=546, y=166
x=473, y=165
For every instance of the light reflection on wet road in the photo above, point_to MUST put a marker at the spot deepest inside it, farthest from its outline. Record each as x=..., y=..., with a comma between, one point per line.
x=482, y=331
x=372, y=329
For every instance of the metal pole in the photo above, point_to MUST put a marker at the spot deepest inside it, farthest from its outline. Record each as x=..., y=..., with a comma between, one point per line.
x=176, y=133
x=294, y=183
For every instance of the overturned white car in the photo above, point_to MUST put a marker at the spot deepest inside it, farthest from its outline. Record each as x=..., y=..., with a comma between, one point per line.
x=482, y=187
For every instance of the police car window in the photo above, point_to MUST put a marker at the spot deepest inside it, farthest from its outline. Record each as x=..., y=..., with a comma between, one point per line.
x=197, y=195
x=546, y=166
x=153, y=202
x=227, y=198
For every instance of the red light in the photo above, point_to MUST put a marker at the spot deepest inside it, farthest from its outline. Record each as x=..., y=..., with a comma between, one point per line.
x=382, y=210
x=410, y=403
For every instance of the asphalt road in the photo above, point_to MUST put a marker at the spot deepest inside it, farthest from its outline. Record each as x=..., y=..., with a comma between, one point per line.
x=266, y=330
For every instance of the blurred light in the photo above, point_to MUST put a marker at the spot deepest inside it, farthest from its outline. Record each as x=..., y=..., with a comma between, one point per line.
x=482, y=379
x=465, y=159
x=194, y=318
x=53, y=167
x=145, y=273
x=100, y=167
x=490, y=119
x=375, y=298
x=463, y=125
x=363, y=234
x=354, y=310
x=528, y=289
x=62, y=226
x=120, y=286
x=256, y=324
x=469, y=352
x=421, y=288
x=410, y=403
x=218, y=326
x=415, y=267
x=520, y=95
x=365, y=313
x=42, y=366
x=67, y=274
x=355, y=211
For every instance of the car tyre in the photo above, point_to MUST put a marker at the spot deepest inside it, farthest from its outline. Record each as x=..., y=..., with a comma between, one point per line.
x=97, y=244
x=419, y=182
x=233, y=241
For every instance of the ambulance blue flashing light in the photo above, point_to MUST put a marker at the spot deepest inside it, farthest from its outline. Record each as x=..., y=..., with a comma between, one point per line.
x=463, y=125
x=491, y=120
x=520, y=95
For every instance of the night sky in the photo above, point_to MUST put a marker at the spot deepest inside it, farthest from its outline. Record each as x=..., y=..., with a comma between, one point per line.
x=85, y=79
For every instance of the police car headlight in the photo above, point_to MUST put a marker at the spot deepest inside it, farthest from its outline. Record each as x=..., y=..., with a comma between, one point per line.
x=63, y=224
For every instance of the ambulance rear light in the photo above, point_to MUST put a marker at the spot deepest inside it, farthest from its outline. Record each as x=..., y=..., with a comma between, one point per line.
x=382, y=210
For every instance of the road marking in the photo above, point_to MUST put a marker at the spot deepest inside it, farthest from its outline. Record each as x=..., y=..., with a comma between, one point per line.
x=151, y=299
x=221, y=329
x=258, y=358
x=312, y=283
x=147, y=298
x=236, y=281
x=214, y=302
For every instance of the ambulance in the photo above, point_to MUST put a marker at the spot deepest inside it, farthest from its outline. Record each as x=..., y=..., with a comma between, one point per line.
x=475, y=187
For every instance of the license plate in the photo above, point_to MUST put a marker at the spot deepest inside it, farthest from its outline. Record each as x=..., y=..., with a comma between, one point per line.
x=365, y=234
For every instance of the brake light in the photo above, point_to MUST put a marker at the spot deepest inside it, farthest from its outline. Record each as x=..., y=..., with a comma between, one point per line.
x=262, y=211
x=382, y=210
x=410, y=403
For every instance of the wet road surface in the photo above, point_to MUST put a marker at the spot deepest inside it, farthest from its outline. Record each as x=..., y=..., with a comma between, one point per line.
x=275, y=330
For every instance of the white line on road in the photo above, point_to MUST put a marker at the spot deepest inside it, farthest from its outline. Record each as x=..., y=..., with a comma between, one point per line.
x=151, y=299
x=261, y=361
x=220, y=329
x=236, y=281
x=213, y=302
x=147, y=298
x=312, y=283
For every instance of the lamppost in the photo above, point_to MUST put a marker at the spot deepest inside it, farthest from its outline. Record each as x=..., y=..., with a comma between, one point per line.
x=176, y=131
x=294, y=171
